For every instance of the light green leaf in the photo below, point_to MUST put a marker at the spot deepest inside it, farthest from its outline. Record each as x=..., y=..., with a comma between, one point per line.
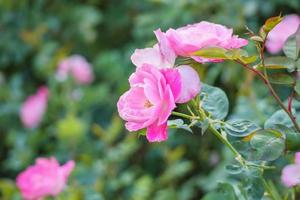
x=271, y=23
x=240, y=127
x=278, y=62
x=211, y=52
x=179, y=123
x=214, y=101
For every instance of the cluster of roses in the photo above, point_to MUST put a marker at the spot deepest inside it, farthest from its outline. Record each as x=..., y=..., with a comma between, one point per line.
x=155, y=88
x=158, y=84
x=47, y=177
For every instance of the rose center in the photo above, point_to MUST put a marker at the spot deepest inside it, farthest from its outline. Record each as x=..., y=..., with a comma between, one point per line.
x=148, y=104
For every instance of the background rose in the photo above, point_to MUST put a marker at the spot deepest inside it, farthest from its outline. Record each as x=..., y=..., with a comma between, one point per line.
x=278, y=36
x=45, y=178
x=34, y=107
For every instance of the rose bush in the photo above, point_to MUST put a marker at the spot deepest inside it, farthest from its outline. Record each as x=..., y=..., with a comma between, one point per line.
x=255, y=117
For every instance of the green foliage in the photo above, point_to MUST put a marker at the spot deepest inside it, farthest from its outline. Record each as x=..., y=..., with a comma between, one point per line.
x=81, y=121
x=214, y=101
x=240, y=127
x=292, y=45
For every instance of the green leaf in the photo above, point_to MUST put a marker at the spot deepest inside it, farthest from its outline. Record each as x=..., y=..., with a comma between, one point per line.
x=279, y=117
x=271, y=23
x=224, y=191
x=204, y=126
x=179, y=123
x=281, y=79
x=240, y=127
x=234, y=54
x=214, y=101
x=292, y=45
x=297, y=87
x=268, y=144
x=257, y=38
x=278, y=62
x=249, y=59
x=234, y=169
x=212, y=52
x=291, y=135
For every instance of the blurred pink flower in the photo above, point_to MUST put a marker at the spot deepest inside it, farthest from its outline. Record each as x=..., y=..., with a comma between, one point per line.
x=191, y=38
x=152, y=97
x=77, y=65
x=291, y=173
x=278, y=36
x=45, y=178
x=34, y=107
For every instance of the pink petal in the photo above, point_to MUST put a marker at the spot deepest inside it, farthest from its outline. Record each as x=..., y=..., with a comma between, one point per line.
x=149, y=56
x=157, y=133
x=166, y=106
x=167, y=53
x=291, y=175
x=190, y=83
x=173, y=78
x=67, y=168
x=277, y=37
x=297, y=158
x=34, y=107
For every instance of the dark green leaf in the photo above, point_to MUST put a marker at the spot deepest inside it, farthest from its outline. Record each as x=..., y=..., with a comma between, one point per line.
x=292, y=136
x=224, y=191
x=297, y=87
x=279, y=117
x=234, y=169
x=281, y=78
x=240, y=127
x=292, y=45
x=269, y=144
x=214, y=101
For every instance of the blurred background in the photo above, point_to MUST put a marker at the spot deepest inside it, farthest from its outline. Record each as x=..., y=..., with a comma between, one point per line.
x=81, y=121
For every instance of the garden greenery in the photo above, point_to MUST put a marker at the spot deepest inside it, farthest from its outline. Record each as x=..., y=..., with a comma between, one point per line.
x=214, y=110
x=159, y=83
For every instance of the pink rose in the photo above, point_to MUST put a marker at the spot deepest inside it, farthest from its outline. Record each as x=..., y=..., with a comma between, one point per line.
x=45, y=178
x=278, y=36
x=152, y=97
x=191, y=38
x=34, y=107
x=291, y=173
x=76, y=65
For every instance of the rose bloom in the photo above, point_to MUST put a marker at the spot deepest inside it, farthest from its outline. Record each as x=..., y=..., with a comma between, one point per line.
x=280, y=33
x=34, y=107
x=78, y=67
x=45, y=178
x=188, y=39
x=291, y=173
x=153, y=95
x=155, y=88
